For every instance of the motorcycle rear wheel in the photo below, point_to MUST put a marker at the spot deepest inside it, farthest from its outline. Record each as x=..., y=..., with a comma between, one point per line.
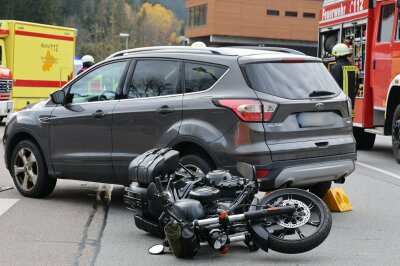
x=306, y=229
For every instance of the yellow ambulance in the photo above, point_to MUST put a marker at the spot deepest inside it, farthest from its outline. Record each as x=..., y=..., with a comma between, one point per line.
x=40, y=57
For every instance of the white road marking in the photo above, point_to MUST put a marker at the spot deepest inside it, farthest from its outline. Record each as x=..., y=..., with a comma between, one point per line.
x=6, y=204
x=379, y=170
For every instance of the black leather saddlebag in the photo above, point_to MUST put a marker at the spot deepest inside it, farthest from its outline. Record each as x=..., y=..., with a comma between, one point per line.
x=156, y=162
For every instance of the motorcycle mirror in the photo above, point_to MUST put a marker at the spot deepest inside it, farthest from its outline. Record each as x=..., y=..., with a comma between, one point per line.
x=246, y=170
x=156, y=249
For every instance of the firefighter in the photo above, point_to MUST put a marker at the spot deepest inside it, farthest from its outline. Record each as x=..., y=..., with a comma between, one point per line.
x=87, y=62
x=344, y=72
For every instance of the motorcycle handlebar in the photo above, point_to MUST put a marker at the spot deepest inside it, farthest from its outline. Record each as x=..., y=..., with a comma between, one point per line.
x=264, y=213
x=249, y=216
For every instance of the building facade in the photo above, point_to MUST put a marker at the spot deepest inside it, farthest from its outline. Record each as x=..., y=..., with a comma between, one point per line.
x=286, y=23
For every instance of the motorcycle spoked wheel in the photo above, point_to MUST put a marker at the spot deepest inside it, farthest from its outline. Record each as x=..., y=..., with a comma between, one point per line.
x=302, y=231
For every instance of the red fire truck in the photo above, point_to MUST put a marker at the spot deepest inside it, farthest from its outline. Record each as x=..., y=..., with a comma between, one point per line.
x=372, y=30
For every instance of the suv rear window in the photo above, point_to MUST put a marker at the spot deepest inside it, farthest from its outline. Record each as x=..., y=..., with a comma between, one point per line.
x=291, y=80
x=200, y=77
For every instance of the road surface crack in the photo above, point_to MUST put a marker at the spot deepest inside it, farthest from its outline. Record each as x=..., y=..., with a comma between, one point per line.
x=98, y=215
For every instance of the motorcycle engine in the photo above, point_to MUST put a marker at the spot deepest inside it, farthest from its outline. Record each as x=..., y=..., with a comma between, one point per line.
x=205, y=195
x=225, y=182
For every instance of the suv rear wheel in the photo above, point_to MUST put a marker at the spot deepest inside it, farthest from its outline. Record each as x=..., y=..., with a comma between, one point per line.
x=196, y=163
x=29, y=171
x=320, y=189
x=365, y=140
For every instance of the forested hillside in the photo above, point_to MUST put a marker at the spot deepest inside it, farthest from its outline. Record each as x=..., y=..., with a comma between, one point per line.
x=177, y=6
x=99, y=22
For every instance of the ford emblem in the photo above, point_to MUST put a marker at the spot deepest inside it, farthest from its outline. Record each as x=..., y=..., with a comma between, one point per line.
x=320, y=106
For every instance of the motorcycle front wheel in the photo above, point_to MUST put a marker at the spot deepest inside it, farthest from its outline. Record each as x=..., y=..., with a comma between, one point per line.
x=301, y=231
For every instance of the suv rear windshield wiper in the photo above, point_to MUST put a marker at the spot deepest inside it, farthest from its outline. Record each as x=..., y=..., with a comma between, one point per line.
x=320, y=93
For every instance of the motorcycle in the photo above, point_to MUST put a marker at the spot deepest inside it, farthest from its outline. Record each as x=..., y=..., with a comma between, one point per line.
x=217, y=209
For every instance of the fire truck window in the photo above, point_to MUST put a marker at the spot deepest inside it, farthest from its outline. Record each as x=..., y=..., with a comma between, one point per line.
x=386, y=23
x=330, y=41
x=398, y=28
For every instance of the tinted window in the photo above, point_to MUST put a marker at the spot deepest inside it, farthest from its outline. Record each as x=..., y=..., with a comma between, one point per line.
x=98, y=85
x=398, y=27
x=291, y=14
x=386, y=23
x=199, y=77
x=272, y=12
x=197, y=16
x=308, y=15
x=154, y=78
x=291, y=80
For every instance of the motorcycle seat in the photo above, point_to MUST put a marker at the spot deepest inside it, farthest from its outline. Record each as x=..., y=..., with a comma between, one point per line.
x=189, y=209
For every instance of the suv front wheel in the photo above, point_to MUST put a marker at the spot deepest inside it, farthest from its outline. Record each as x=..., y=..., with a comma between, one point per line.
x=29, y=171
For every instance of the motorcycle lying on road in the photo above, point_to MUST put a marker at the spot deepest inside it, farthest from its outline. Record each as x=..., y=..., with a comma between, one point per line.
x=217, y=209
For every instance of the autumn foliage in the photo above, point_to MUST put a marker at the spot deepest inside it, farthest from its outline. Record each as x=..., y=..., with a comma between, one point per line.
x=99, y=22
x=157, y=25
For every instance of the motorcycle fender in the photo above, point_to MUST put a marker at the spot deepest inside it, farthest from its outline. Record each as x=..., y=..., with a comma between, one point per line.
x=258, y=235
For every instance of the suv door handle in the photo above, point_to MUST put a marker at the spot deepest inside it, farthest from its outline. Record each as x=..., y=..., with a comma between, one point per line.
x=99, y=114
x=165, y=110
x=322, y=144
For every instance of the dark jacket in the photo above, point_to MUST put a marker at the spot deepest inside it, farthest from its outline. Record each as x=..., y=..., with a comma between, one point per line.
x=85, y=66
x=337, y=70
x=337, y=73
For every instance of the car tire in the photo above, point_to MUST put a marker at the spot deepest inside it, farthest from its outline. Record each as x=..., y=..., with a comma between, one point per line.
x=320, y=189
x=29, y=171
x=196, y=163
x=365, y=140
x=396, y=135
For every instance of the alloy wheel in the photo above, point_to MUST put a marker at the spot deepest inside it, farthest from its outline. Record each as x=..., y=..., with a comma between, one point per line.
x=303, y=223
x=25, y=169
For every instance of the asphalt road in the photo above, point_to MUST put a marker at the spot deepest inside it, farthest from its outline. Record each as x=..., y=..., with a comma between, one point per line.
x=71, y=228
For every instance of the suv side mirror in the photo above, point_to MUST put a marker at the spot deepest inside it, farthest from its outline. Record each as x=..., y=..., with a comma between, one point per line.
x=58, y=97
x=246, y=170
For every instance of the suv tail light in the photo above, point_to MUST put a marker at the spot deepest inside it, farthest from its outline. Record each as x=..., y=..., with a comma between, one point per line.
x=250, y=110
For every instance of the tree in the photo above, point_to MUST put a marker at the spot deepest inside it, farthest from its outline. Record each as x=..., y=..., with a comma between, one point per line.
x=156, y=26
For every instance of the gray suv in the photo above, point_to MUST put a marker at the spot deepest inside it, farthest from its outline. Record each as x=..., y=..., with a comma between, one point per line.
x=276, y=109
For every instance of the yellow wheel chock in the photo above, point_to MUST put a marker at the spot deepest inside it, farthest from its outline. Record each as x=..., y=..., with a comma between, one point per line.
x=337, y=200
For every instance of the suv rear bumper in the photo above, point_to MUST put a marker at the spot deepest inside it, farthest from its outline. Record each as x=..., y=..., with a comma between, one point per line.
x=298, y=176
x=305, y=172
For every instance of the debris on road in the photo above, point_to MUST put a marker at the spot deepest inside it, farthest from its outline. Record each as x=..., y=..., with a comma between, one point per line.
x=5, y=188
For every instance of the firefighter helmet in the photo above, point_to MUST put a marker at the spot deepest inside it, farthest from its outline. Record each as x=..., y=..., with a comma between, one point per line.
x=199, y=45
x=87, y=59
x=340, y=49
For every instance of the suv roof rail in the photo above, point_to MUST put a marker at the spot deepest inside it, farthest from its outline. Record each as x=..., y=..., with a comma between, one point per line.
x=165, y=48
x=272, y=49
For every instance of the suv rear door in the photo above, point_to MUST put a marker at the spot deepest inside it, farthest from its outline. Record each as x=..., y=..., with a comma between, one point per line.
x=150, y=115
x=311, y=118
